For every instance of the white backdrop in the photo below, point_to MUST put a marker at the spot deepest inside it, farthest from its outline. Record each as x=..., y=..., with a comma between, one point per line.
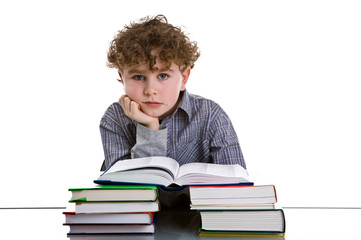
x=287, y=73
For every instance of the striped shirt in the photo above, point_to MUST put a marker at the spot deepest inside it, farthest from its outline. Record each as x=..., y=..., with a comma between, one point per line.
x=198, y=131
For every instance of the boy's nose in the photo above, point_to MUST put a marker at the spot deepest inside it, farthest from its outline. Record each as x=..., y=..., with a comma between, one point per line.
x=150, y=87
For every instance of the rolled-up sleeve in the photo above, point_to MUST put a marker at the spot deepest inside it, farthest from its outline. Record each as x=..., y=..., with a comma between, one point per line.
x=149, y=142
x=124, y=138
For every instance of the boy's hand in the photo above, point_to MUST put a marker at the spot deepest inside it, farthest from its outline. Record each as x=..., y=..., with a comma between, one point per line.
x=133, y=111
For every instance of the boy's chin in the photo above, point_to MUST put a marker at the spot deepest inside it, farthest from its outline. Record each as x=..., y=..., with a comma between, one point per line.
x=157, y=113
x=153, y=114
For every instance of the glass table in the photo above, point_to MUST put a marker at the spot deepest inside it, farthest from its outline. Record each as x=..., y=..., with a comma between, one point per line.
x=301, y=223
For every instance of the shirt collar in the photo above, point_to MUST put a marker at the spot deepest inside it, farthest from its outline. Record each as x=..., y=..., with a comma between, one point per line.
x=185, y=104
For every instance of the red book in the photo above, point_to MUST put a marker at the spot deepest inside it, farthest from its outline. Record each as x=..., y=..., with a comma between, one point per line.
x=106, y=229
x=72, y=218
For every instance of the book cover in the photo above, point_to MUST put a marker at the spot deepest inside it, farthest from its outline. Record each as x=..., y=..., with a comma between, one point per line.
x=243, y=221
x=108, y=218
x=114, y=193
x=233, y=206
x=116, y=207
x=233, y=195
x=107, y=229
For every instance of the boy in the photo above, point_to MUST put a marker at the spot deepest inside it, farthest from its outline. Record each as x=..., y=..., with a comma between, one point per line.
x=157, y=116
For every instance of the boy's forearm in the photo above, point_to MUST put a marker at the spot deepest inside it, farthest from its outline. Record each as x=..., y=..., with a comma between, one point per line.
x=115, y=147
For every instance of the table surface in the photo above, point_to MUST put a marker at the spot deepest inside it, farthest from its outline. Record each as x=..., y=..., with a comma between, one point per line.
x=301, y=223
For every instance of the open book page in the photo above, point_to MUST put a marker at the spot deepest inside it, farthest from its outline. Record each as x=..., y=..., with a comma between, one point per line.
x=154, y=176
x=170, y=165
x=206, y=173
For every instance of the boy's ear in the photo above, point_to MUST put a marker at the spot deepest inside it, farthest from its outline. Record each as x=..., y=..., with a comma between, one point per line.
x=121, y=78
x=185, y=76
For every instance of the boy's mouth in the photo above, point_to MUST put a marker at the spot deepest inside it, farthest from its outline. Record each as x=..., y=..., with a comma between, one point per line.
x=153, y=104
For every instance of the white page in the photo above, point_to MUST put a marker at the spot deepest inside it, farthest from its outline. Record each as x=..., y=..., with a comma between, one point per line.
x=213, y=169
x=158, y=162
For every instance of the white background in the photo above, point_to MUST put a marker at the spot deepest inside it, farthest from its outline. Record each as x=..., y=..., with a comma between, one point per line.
x=286, y=72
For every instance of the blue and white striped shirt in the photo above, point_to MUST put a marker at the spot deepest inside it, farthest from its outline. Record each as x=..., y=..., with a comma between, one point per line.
x=198, y=131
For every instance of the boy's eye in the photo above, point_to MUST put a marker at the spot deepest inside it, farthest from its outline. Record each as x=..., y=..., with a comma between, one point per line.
x=163, y=76
x=138, y=77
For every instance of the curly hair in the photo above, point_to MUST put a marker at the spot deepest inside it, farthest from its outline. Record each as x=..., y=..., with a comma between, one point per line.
x=151, y=39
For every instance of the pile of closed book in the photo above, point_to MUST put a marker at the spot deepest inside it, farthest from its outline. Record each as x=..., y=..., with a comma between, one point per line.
x=112, y=209
x=238, y=210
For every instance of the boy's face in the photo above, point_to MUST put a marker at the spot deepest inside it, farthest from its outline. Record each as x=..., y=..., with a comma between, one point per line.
x=157, y=91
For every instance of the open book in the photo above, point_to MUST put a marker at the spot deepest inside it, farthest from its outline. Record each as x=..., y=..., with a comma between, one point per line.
x=166, y=171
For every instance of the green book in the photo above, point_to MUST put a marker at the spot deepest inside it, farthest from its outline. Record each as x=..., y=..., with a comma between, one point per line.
x=114, y=193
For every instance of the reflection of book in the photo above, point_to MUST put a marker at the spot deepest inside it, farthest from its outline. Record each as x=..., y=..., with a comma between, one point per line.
x=106, y=229
x=254, y=196
x=124, y=236
x=108, y=218
x=165, y=171
x=266, y=222
x=116, y=207
x=114, y=193
x=207, y=235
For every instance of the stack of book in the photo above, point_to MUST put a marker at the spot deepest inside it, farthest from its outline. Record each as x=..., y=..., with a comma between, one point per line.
x=127, y=196
x=238, y=210
x=112, y=209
